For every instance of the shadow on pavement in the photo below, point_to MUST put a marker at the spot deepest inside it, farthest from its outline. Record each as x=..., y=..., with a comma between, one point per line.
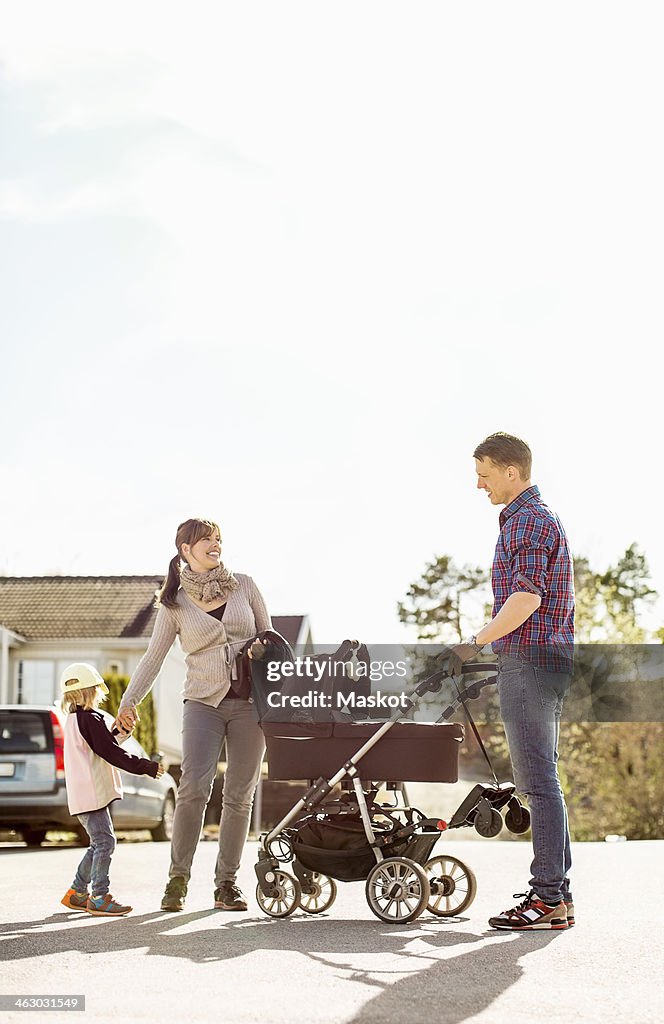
x=453, y=989
x=449, y=981
x=226, y=939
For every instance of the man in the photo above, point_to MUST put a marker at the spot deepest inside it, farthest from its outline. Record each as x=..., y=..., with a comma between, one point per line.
x=532, y=631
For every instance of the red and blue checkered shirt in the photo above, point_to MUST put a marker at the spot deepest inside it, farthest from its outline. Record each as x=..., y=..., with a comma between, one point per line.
x=532, y=555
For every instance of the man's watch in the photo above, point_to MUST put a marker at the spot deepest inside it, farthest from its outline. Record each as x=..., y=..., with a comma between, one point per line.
x=472, y=642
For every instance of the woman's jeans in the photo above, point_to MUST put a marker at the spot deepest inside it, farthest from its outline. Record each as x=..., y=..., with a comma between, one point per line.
x=96, y=863
x=204, y=730
x=531, y=701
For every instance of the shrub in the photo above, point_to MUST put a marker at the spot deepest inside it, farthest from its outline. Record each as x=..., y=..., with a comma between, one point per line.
x=146, y=730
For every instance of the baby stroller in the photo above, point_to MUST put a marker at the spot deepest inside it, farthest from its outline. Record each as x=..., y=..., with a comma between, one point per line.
x=350, y=835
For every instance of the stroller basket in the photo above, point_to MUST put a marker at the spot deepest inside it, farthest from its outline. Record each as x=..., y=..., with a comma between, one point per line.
x=409, y=752
x=339, y=849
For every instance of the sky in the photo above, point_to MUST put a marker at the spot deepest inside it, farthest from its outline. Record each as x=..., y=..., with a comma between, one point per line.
x=285, y=265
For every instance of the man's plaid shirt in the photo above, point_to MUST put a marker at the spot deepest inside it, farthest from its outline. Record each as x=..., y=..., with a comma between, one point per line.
x=532, y=555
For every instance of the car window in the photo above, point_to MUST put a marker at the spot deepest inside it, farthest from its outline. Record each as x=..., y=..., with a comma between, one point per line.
x=23, y=732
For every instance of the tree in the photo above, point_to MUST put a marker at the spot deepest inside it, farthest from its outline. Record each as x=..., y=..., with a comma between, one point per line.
x=588, y=613
x=612, y=774
x=612, y=771
x=433, y=602
x=146, y=729
x=608, y=607
x=447, y=603
x=609, y=604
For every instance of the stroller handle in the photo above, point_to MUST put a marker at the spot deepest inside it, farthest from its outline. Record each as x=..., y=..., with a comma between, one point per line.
x=433, y=683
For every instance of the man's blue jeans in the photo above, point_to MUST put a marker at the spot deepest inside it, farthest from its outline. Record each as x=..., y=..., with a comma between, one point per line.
x=531, y=701
x=96, y=863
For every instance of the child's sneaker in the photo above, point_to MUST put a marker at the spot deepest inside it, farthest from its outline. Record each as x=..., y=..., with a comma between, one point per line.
x=531, y=915
x=570, y=913
x=106, y=906
x=75, y=900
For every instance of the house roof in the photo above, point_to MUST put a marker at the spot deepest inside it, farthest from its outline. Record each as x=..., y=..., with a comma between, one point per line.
x=82, y=607
x=289, y=626
x=64, y=607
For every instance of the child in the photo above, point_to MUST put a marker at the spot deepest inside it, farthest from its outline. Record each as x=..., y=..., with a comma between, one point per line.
x=92, y=758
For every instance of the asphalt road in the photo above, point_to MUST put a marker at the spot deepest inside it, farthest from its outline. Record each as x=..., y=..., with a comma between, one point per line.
x=344, y=966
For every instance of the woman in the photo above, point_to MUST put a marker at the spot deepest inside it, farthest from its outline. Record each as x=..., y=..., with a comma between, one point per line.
x=214, y=613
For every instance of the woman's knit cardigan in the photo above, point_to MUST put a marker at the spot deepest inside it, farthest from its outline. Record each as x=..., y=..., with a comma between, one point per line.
x=209, y=646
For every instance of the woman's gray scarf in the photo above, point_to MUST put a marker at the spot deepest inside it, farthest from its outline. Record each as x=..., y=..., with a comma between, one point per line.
x=207, y=586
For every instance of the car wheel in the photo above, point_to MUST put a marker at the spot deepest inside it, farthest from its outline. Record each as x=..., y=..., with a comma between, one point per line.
x=163, y=833
x=33, y=836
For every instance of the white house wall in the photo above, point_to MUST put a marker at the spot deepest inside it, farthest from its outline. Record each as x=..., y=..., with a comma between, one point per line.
x=99, y=653
x=168, y=701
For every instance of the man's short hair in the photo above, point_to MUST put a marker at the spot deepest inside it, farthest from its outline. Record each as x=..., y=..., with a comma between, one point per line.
x=506, y=450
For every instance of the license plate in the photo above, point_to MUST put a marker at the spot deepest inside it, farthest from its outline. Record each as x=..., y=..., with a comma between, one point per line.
x=7, y=770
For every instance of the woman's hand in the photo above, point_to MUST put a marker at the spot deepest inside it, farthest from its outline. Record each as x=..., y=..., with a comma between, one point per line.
x=126, y=719
x=160, y=770
x=257, y=650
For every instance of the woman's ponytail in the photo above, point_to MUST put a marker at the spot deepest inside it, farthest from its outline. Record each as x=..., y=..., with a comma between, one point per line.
x=170, y=588
x=189, y=532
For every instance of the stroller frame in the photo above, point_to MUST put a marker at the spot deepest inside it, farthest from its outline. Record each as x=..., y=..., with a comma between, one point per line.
x=394, y=881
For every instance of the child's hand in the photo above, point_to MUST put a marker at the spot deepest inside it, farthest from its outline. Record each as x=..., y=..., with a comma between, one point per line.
x=160, y=770
x=120, y=734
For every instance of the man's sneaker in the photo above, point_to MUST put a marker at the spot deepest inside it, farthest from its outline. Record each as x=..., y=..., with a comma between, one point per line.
x=176, y=890
x=229, y=897
x=570, y=913
x=106, y=906
x=532, y=914
x=75, y=900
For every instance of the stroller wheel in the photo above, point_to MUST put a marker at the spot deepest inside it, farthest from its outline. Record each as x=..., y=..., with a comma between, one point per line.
x=517, y=818
x=397, y=890
x=284, y=895
x=488, y=822
x=322, y=896
x=453, y=886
